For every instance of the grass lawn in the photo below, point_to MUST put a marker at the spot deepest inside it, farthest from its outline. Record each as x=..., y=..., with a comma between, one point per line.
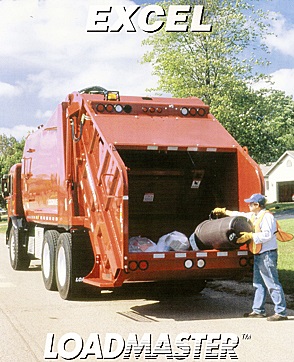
x=286, y=258
x=3, y=226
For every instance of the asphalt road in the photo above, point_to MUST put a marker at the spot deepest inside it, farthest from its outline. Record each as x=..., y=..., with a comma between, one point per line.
x=30, y=315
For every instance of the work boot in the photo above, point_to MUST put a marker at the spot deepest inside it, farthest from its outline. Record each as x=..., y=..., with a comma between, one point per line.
x=254, y=315
x=277, y=317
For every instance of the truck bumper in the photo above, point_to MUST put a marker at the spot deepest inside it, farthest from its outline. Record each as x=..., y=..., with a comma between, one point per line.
x=190, y=265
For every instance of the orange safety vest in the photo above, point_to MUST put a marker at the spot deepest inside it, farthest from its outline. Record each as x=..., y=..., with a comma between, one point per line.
x=280, y=234
x=256, y=248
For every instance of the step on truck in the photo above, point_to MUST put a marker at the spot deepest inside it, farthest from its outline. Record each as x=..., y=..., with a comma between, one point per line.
x=107, y=168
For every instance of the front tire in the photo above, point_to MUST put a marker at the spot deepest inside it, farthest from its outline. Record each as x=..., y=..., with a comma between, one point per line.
x=48, y=259
x=19, y=259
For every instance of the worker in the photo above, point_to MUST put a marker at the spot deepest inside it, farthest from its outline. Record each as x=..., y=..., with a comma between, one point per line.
x=264, y=247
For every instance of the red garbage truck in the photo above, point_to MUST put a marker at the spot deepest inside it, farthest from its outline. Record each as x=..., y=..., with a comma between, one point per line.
x=107, y=169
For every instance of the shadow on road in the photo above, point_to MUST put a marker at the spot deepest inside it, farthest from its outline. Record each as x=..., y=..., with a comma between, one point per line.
x=180, y=305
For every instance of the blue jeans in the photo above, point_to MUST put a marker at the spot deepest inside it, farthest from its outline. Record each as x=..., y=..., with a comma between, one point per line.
x=265, y=278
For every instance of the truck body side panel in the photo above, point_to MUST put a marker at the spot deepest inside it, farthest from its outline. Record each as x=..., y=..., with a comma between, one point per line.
x=43, y=173
x=250, y=178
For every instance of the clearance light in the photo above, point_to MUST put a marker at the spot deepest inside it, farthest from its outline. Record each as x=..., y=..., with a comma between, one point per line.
x=112, y=96
x=184, y=111
x=151, y=109
x=201, y=263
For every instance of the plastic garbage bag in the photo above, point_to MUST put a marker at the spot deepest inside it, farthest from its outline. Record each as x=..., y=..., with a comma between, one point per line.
x=139, y=244
x=174, y=241
x=193, y=242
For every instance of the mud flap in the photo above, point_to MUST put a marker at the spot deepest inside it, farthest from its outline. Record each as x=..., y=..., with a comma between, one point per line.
x=82, y=259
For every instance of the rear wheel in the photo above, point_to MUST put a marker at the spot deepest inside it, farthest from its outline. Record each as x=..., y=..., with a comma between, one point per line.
x=19, y=259
x=63, y=266
x=48, y=259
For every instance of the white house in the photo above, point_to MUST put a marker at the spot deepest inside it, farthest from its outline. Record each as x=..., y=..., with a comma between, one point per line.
x=279, y=179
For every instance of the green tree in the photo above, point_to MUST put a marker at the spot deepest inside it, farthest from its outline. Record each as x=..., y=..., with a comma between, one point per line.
x=207, y=64
x=262, y=120
x=243, y=113
x=10, y=152
x=277, y=110
x=219, y=67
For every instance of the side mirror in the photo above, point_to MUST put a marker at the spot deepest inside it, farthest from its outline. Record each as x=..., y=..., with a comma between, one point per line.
x=4, y=186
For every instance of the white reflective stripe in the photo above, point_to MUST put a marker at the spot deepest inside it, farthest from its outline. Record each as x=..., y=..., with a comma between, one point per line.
x=152, y=148
x=180, y=255
x=211, y=149
x=222, y=253
x=172, y=148
x=201, y=255
x=158, y=256
x=192, y=149
x=242, y=252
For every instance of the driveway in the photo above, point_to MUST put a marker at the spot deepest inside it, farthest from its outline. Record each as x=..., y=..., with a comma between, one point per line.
x=284, y=214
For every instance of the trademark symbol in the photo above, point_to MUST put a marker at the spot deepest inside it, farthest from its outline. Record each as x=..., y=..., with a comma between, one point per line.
x=246, y=336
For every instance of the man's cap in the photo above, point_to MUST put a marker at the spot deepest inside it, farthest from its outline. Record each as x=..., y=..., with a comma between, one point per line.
x=258, y=198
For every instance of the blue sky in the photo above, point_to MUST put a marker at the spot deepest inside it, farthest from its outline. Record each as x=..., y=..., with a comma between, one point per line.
x=46, y=53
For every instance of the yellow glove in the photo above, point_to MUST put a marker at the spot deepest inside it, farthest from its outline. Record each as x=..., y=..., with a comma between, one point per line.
x=219, y=211
x=245, y=236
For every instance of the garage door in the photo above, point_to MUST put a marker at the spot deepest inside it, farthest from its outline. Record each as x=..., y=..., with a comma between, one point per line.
x=285, y=191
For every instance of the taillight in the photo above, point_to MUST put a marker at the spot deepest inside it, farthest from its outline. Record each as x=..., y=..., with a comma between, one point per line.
x=111, y=108
x=100, y=108
x=201, y=112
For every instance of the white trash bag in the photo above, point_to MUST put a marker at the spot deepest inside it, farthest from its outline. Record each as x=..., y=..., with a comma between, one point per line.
x=174, y=241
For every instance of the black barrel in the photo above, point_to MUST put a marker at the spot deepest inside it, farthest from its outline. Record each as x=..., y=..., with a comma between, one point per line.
x=221, y=233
